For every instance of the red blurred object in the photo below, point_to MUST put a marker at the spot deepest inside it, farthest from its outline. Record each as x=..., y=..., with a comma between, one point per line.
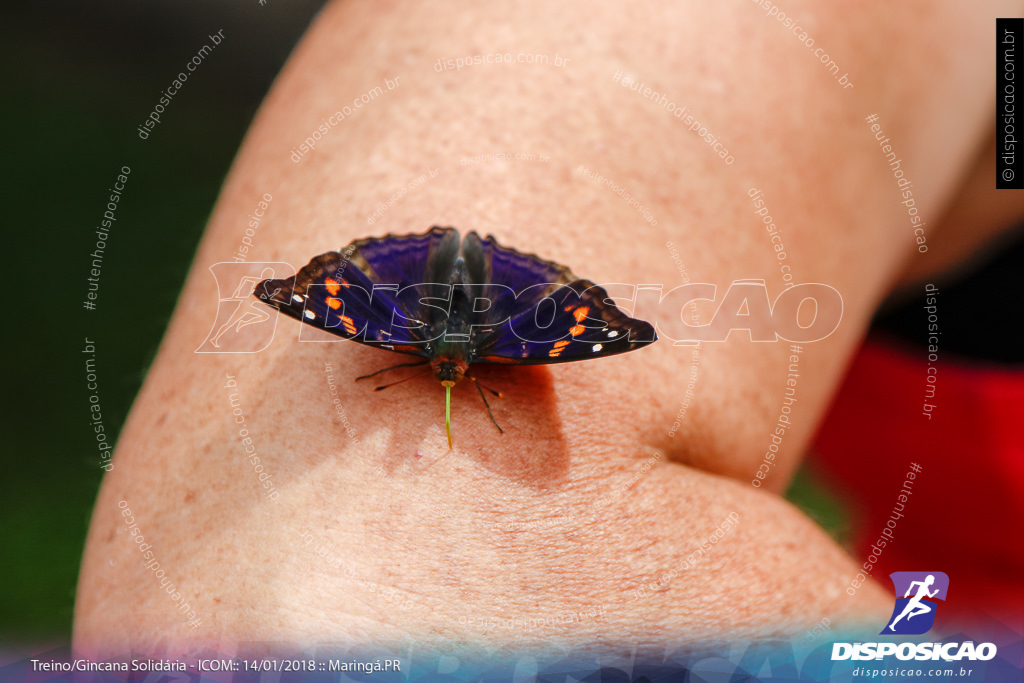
x=965, y=516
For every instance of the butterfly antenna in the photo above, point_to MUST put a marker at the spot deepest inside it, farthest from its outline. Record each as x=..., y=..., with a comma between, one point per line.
x=480, y=388
x=406, y=379
x=393, y=367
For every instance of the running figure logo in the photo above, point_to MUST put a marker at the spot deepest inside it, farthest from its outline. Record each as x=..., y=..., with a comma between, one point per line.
x=242, y=324
x=915, y=614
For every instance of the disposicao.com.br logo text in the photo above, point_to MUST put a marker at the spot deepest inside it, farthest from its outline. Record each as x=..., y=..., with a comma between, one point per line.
x=917, y=594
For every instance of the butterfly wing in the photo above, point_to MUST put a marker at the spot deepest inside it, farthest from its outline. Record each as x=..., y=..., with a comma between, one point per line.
x=371, y=291
x=394, y=293
x=542, y=313
x=574, y=322
x=408, y=259
x=489, y=262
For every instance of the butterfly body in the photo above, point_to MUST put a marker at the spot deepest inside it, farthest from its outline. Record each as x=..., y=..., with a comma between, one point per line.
x=454, y=302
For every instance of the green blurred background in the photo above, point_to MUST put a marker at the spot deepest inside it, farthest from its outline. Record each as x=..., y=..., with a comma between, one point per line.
x=78, y=80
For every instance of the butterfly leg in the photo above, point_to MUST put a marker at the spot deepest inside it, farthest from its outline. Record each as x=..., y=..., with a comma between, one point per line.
x=393, y=367
x=487, y=405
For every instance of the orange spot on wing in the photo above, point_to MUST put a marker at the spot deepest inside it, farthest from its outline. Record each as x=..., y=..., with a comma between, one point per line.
x=581, y=313
x=406, y=348
x=334, y=303
x=332, y=285
x=556, y=350
x=576, y=329
x=350, y=326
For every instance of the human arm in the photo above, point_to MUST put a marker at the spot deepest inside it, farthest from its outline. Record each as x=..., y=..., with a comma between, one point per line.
x=528, y=523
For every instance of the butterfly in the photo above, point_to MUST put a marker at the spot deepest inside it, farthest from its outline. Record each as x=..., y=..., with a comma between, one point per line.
x=454, y=301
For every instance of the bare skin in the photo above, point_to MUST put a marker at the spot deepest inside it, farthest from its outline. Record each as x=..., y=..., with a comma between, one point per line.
x=591, y=502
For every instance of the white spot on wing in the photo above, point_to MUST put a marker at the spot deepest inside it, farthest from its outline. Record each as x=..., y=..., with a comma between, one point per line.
x=613, y=334
x=296, y=297
x=596, y=347
x=310, y=314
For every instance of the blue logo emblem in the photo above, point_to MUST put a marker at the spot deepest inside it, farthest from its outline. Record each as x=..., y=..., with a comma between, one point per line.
x=916, y=596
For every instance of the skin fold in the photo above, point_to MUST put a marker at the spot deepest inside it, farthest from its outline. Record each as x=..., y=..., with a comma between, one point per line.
x=603, y=495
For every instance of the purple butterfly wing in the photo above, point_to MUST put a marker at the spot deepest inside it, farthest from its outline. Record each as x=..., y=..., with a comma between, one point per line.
x=408, y=259
x=489, y=262
x=370, y=291
x=395, y=293
x=542, y=313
